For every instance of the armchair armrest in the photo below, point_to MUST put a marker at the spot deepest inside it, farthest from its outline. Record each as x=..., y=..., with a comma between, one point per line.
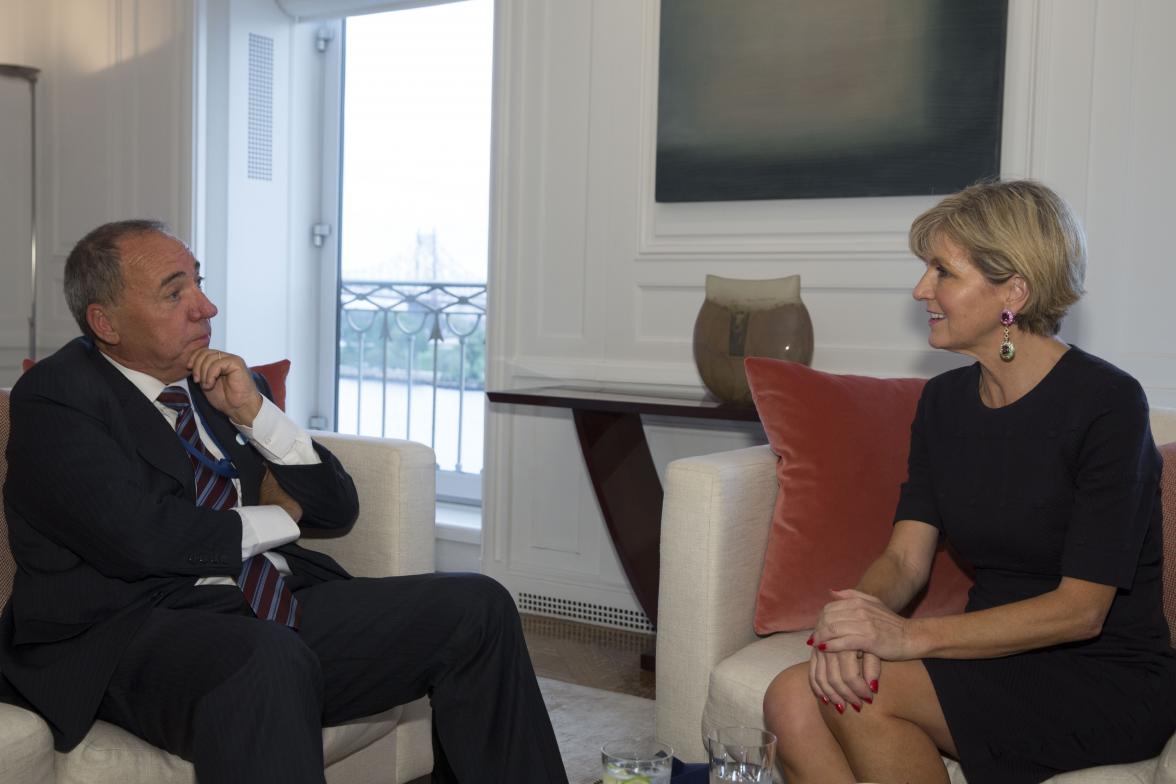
x=715, y=521
x=396, y=482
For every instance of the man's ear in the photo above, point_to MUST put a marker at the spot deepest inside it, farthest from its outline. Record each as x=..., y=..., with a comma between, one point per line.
x=103, y=323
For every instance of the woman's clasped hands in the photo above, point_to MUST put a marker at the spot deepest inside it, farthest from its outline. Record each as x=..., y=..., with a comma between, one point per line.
x=852, y=636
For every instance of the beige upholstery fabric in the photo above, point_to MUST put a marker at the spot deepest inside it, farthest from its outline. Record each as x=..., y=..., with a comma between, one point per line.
x=397, y=490
x=738, y=683
x=414, y=745
x=394, y=535
x=111, y=754
x=26, y=747
x=1135, y=773
x=711, y=669
x=395, y=531
x=346, y=739
x=1163, y=425
x=1166, y=771
x=718, y=509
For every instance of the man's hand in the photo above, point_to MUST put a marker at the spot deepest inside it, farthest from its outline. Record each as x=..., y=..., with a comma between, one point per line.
x=273, y=494
x=227, y=383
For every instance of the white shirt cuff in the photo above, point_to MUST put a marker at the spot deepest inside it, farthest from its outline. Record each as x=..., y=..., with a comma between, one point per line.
x=264, y=528
x=278, y=438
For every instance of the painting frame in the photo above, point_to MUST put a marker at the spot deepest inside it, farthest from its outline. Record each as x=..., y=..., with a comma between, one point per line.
x=810, y=99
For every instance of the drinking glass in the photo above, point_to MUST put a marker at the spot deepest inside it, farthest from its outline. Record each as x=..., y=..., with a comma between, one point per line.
x=636, y=761
x=741, y=754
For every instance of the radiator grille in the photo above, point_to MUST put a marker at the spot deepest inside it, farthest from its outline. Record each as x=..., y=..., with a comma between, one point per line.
x=585, y=611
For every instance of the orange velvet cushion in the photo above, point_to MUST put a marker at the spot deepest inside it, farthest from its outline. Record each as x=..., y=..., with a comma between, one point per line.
x=1168, y=495
x=274, y=373
x=842, y=445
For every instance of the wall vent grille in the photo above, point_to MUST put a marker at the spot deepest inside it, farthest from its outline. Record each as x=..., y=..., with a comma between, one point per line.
x=584, y=611
x=260, y=149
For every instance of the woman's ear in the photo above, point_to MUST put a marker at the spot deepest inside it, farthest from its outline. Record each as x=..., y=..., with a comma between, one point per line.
x=1018, y=293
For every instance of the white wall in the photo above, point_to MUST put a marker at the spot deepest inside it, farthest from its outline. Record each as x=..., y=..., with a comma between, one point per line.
x=114, y=127
x=592, y=279
x=142, y=112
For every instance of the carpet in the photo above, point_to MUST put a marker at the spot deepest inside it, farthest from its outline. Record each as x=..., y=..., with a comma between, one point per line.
x=585, y=718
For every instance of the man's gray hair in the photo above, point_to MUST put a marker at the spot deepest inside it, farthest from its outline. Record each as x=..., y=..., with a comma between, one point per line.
x=93, y=270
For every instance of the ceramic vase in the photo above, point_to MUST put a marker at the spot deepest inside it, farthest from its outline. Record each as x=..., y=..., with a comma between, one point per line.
x=748, y=318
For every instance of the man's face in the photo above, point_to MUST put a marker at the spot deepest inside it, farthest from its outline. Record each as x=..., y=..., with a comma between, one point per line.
x=162, y=316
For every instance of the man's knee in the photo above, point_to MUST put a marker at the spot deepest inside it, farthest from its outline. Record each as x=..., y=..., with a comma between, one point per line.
x=482, y=609
x=478, y=594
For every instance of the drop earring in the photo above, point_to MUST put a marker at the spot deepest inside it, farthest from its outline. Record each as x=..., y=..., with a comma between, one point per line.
x=1007, y=349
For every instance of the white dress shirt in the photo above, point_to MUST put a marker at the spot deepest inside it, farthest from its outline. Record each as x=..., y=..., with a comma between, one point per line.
x=276, y=437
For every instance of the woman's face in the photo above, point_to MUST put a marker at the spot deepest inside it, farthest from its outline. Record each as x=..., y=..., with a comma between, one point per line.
x=962, y=305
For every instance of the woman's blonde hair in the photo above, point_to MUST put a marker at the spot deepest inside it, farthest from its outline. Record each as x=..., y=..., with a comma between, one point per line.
x=1014, y=228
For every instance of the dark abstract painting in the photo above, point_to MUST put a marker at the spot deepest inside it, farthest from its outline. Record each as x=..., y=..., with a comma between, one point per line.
x=800, y=99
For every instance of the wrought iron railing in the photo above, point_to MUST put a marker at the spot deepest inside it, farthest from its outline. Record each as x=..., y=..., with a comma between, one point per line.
x=402, y=336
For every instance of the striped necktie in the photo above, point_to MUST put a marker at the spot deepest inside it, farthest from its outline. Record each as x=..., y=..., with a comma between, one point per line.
x=260, y=580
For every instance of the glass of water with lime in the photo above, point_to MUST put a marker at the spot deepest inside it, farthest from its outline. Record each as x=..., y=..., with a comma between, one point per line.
x=636, y=761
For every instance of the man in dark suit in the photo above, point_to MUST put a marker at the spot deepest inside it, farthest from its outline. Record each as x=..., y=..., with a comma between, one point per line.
x=154, y=499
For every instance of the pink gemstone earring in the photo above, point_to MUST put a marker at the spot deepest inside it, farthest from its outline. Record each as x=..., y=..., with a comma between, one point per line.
x=1007, y=349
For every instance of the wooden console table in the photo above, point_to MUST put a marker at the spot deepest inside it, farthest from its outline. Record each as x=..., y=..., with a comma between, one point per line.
x=608, y=424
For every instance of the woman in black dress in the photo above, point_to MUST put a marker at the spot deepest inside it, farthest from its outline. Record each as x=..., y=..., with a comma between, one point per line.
x=1037, y=464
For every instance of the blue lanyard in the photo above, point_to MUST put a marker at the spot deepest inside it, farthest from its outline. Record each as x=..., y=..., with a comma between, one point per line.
x=223, y=467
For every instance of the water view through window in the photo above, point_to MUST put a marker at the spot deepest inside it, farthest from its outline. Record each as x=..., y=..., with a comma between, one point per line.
x=414, y=227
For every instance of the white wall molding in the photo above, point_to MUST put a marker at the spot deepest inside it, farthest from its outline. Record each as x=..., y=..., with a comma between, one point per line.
x=1024, y=52
x=504, y=234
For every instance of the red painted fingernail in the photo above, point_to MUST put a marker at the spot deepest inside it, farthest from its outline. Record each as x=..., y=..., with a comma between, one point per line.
x=874, y=685
x=809, y=641
x=821, y=647
x=857, y=707
x=840, y=708
x=870, y=700
x=824, y=699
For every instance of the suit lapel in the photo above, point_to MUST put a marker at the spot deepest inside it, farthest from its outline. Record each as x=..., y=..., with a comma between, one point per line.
x=156, y=442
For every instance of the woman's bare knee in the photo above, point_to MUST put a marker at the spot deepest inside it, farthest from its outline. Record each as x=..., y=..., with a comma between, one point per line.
x=791, y=711
x=805, y=748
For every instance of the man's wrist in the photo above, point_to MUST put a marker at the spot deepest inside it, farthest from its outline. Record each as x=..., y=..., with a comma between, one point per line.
x=247, y=413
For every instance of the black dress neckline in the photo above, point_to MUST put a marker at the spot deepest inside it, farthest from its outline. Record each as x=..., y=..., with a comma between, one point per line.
x=1044, y=384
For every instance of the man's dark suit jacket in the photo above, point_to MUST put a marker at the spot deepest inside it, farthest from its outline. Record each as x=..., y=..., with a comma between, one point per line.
x=102, y=519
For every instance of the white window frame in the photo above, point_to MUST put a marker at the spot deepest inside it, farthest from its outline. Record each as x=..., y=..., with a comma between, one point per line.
x=452, y=487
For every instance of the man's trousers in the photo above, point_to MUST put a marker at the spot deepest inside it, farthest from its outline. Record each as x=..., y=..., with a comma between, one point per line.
x=245, y=700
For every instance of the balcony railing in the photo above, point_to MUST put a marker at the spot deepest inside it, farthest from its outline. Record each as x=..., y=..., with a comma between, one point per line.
x=412, y=359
